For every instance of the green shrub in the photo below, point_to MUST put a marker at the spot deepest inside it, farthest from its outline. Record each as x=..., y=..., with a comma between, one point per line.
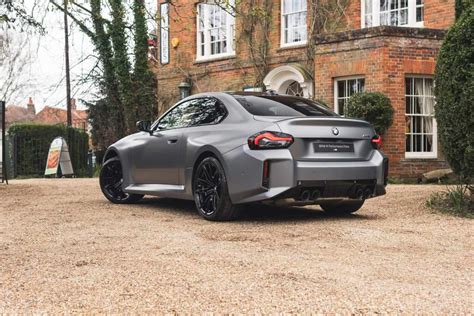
x=32, y=142
x=374, y=107
x=454, y=200
x=97, y=170
x=454, y=109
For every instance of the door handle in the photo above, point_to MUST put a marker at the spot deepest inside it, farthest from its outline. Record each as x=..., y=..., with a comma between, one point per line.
x=172, y=140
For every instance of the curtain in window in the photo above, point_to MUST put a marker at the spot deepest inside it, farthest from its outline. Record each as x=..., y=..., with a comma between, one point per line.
x=294, y=21
x=427, y=102
x=368, y=13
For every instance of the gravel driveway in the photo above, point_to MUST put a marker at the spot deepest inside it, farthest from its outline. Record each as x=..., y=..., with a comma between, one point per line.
x=64, y=248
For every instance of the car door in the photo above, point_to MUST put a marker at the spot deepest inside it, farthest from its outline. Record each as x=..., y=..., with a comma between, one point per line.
x=161, y=153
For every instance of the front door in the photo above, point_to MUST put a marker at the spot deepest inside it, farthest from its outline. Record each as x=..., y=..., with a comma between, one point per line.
x=159, y=158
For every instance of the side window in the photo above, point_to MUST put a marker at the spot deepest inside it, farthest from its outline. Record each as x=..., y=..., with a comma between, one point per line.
x=210, y=112
x=192, y=113
x=174, y=118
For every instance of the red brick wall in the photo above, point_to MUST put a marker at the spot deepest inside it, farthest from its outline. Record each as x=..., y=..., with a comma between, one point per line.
x=384, y=62
x=353, y=15
x=234, y=73
x=439, y=14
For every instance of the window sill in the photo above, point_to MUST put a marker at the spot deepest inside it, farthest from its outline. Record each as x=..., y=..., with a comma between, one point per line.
x=292, y=46
x=203, y=60
x=412, y=157
x=417, y=25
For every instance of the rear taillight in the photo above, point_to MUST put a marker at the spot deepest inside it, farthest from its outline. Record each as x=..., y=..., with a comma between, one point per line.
x=270, y=140
x=376, y=141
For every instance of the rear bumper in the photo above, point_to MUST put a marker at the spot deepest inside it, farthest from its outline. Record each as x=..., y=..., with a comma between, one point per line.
x=288, y=177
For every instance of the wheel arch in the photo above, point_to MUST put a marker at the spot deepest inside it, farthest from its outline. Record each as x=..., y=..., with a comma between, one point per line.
x=204, y=152
x=113, y=152
x=110, y=153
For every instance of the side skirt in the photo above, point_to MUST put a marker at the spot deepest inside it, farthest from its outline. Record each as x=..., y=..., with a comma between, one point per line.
x=164, y=190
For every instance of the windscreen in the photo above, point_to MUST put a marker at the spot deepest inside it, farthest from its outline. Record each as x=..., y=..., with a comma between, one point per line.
x=262, y=105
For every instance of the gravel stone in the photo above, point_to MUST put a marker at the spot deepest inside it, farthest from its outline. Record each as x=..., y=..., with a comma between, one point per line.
x=65, y=249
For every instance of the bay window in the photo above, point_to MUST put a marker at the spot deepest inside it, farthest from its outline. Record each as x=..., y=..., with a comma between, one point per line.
x=392, y=12
x=293, y=22
x=215, y=30
x=420, y=133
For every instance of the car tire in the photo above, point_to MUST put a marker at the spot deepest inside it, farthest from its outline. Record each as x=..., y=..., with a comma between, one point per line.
x=342, y=207
x=111, y=179
x=211, y=194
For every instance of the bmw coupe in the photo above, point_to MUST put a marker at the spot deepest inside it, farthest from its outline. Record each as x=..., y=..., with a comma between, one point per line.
x=224, y=150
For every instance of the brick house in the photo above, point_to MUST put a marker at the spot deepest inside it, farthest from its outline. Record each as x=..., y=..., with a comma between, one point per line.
x=388, y=46
x=20, y=114
x=48, y=115
x=54, y=115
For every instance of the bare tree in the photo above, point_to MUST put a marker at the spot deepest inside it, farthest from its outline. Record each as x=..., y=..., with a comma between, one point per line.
x=19, y=24
x=15, y=14
x=16, y=56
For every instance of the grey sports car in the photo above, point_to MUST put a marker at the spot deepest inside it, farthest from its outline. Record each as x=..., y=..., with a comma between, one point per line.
x=224, y=150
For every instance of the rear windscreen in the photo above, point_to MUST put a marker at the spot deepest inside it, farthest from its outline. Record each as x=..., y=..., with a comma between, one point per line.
x=282, y=106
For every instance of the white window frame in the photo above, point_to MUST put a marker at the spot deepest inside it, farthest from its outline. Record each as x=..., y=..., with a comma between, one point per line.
x=376, y=14
x=336, y=97
x=204, y=8
x=282, y=26
x=423, y=155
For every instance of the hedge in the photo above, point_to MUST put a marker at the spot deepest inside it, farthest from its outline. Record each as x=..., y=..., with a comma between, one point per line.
x=31, y=144
x=460, y=6
x=454, y=90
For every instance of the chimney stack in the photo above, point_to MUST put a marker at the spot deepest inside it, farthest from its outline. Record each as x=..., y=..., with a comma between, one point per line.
x=31, y=106
x=73, y=104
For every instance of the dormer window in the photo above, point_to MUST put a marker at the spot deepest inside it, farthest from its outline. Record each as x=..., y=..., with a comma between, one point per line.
x=392, y=12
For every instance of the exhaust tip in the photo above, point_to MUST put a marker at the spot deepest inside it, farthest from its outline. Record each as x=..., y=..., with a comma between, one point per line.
x=305, y=195
x=316, y=194
x=359, y=193
x=367, y=193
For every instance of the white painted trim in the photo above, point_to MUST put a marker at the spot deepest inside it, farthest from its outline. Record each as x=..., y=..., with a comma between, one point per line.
x=376, y=14
x=216, y=57
x=283, y=44
x=424, y=155
x=230, y=20
x=279, y=79
x=295, y=44
x=415, y=155
x=336, y=80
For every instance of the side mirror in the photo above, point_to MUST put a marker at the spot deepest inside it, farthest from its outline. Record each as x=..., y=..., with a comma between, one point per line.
x=144, y=126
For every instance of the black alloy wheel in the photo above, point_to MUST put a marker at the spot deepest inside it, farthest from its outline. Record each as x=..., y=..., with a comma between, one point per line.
x=211, y=193
x=111, y=180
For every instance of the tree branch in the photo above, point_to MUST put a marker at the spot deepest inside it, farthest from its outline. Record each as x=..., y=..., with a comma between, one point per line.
x=81, y=25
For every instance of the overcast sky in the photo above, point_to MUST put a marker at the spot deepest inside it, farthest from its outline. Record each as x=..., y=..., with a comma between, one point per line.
x=46, y=70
